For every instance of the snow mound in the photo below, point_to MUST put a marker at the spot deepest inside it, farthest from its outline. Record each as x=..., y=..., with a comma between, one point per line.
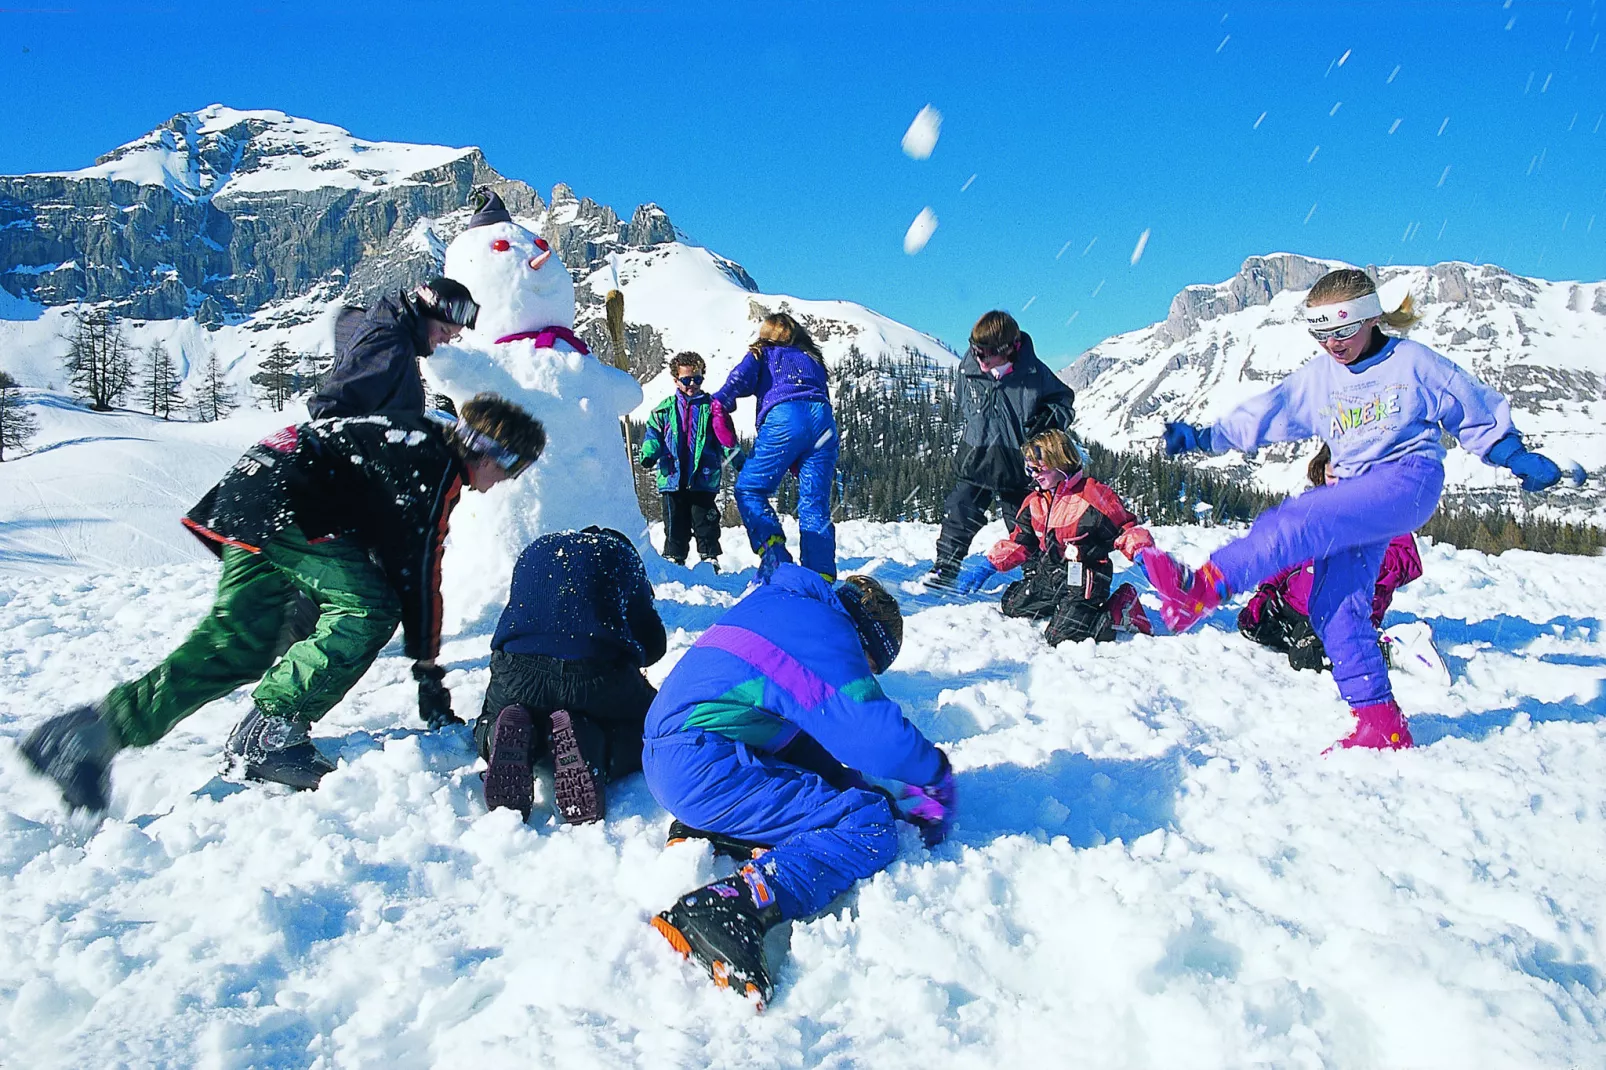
x=1152, y=864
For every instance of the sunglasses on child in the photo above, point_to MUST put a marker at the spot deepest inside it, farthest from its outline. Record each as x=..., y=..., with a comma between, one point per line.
x=483, y=445
x=690, y=380
x=1003, y=352
x=1338, y=334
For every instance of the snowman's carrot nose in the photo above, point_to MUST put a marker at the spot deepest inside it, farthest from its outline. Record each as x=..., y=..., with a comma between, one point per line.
x=537, y=261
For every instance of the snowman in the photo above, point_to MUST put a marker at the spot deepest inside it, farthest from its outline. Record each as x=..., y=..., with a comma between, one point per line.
x=523, y=346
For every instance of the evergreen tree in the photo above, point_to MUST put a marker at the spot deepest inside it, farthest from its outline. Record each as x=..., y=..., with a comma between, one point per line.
x=159, y=389
x=278, y=374
x=17, y=424
x=214, y=398
x=310, y=373
x=99, y=364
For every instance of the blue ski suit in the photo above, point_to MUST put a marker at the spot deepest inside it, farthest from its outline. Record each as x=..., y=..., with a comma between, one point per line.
x=784, y=663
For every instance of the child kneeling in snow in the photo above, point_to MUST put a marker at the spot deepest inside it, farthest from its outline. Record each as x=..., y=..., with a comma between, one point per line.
x=746, y=744
x=1063, y=537
x=566, y=684
x=1278, y=614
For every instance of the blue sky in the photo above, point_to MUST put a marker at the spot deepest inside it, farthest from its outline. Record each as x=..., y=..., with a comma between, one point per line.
x=770, y=132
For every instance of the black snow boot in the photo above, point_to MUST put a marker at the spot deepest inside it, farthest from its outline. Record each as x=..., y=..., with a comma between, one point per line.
x=277, y=751
x=509, y=780
x=75, y=750
x=729, y=846
x=576, y=786
x=722, y=926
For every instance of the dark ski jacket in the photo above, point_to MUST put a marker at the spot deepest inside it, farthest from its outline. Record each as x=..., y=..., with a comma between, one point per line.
x=387, y=483
x=377, y=370
x=1001, y=414
x=581, y=595
x=687, y=458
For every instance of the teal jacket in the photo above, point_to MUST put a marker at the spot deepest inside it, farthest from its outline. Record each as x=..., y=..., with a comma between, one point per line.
x=661, y=447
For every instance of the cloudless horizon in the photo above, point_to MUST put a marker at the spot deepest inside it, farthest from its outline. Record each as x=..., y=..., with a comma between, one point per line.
x=1368, y=132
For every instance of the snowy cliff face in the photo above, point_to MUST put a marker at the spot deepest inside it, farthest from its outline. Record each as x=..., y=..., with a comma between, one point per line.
x=1542, y=344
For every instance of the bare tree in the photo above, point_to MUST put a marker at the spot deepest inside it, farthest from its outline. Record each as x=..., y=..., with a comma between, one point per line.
x=99, y=364
x=214, y=398
x=160, y=387
x=17, y=424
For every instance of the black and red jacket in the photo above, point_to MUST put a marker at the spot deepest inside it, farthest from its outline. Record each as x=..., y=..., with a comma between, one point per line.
x=1081, y=519
x=386, y=483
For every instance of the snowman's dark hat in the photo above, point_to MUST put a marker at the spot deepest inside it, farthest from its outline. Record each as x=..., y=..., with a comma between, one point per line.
x=488, y=209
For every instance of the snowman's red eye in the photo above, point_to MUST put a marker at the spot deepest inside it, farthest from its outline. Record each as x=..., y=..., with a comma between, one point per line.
x=540, y=243
x=501, y=245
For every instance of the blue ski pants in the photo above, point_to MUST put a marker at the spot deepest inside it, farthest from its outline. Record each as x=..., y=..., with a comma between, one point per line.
x=801, y=433
x=823, y=839
x=1345, y=528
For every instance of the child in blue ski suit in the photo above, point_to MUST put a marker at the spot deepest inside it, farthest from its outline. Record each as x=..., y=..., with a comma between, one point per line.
x=680, y=442
x=796, y=430
x=1381, y=404
x=757, y=736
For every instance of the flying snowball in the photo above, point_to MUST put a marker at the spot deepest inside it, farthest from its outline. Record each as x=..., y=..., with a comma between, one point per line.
x=921, y=137
x=1137, y=251
x=920, y=231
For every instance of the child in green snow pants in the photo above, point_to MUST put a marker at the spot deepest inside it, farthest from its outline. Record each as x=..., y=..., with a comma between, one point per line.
x=234, y=644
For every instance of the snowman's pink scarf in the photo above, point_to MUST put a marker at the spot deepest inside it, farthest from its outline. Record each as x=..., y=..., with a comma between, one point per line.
x=546, y=336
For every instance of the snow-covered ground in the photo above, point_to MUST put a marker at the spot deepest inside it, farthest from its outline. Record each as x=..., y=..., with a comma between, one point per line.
x=1153, y=866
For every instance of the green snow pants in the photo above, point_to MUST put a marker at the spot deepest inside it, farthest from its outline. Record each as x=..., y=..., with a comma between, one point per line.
x=234, y=644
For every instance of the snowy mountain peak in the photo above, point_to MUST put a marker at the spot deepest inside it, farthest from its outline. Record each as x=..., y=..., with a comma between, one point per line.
x=203, y=154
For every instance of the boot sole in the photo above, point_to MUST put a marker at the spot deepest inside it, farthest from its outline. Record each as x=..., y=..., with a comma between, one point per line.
x=718, y=968
x=575, y=794
x=509, y=782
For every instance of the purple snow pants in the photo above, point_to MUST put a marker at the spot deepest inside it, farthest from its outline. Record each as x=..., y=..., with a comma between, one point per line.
x=1346, y=528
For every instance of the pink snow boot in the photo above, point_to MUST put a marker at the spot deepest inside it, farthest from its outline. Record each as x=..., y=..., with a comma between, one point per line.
x=1127, y=613
x=1380, y=726
x=1185, y=594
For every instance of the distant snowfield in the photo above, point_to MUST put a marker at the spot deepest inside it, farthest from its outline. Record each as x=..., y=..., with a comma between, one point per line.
x=1153, y=866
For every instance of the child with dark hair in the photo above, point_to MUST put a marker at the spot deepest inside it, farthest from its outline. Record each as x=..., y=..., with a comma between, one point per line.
x=1064, y=535
x=1278, y=613
x=784, y=370
x=1006, y=395
x=681, y=443
x=353, y=513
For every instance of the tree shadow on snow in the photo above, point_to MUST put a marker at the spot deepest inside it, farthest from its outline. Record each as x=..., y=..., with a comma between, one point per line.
x=1430, y=728
x=1090, y=801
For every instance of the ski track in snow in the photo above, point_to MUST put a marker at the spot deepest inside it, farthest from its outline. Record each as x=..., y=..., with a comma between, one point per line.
x=1152, y=866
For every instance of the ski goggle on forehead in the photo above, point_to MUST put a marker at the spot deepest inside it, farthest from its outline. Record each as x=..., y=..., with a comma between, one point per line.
x=483, y=445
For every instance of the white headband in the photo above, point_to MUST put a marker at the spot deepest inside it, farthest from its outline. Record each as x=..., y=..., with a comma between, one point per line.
x=1326, y=317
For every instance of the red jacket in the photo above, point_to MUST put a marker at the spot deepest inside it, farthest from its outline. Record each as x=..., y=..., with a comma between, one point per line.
x=1401, y=565
x=1081, y=518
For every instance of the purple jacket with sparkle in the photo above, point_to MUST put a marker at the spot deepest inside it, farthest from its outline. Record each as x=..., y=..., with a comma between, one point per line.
x=782, y=374
x=1393, y=404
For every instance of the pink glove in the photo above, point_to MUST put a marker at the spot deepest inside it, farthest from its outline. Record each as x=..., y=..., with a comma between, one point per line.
x=931, y=808
x=724, y=430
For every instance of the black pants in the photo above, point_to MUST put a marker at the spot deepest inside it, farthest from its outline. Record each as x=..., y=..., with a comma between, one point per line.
x=963, y=514
x=607, y=703
x=1073, y=614
x=688, y=513
x=1281, y=627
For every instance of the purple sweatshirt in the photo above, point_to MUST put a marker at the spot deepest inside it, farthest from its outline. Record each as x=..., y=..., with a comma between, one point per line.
x=1385, y=407
x=783, y=374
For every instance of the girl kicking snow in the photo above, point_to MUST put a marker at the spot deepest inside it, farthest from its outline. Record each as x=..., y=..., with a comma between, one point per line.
x=1380, y=403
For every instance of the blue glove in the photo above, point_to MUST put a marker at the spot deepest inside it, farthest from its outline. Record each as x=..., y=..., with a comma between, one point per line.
x=1185, y=438
x=1536, y=471
x=772, y=557
x=973, y=575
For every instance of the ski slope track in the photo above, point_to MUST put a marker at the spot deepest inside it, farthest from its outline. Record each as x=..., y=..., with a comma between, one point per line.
x=1153, y=866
